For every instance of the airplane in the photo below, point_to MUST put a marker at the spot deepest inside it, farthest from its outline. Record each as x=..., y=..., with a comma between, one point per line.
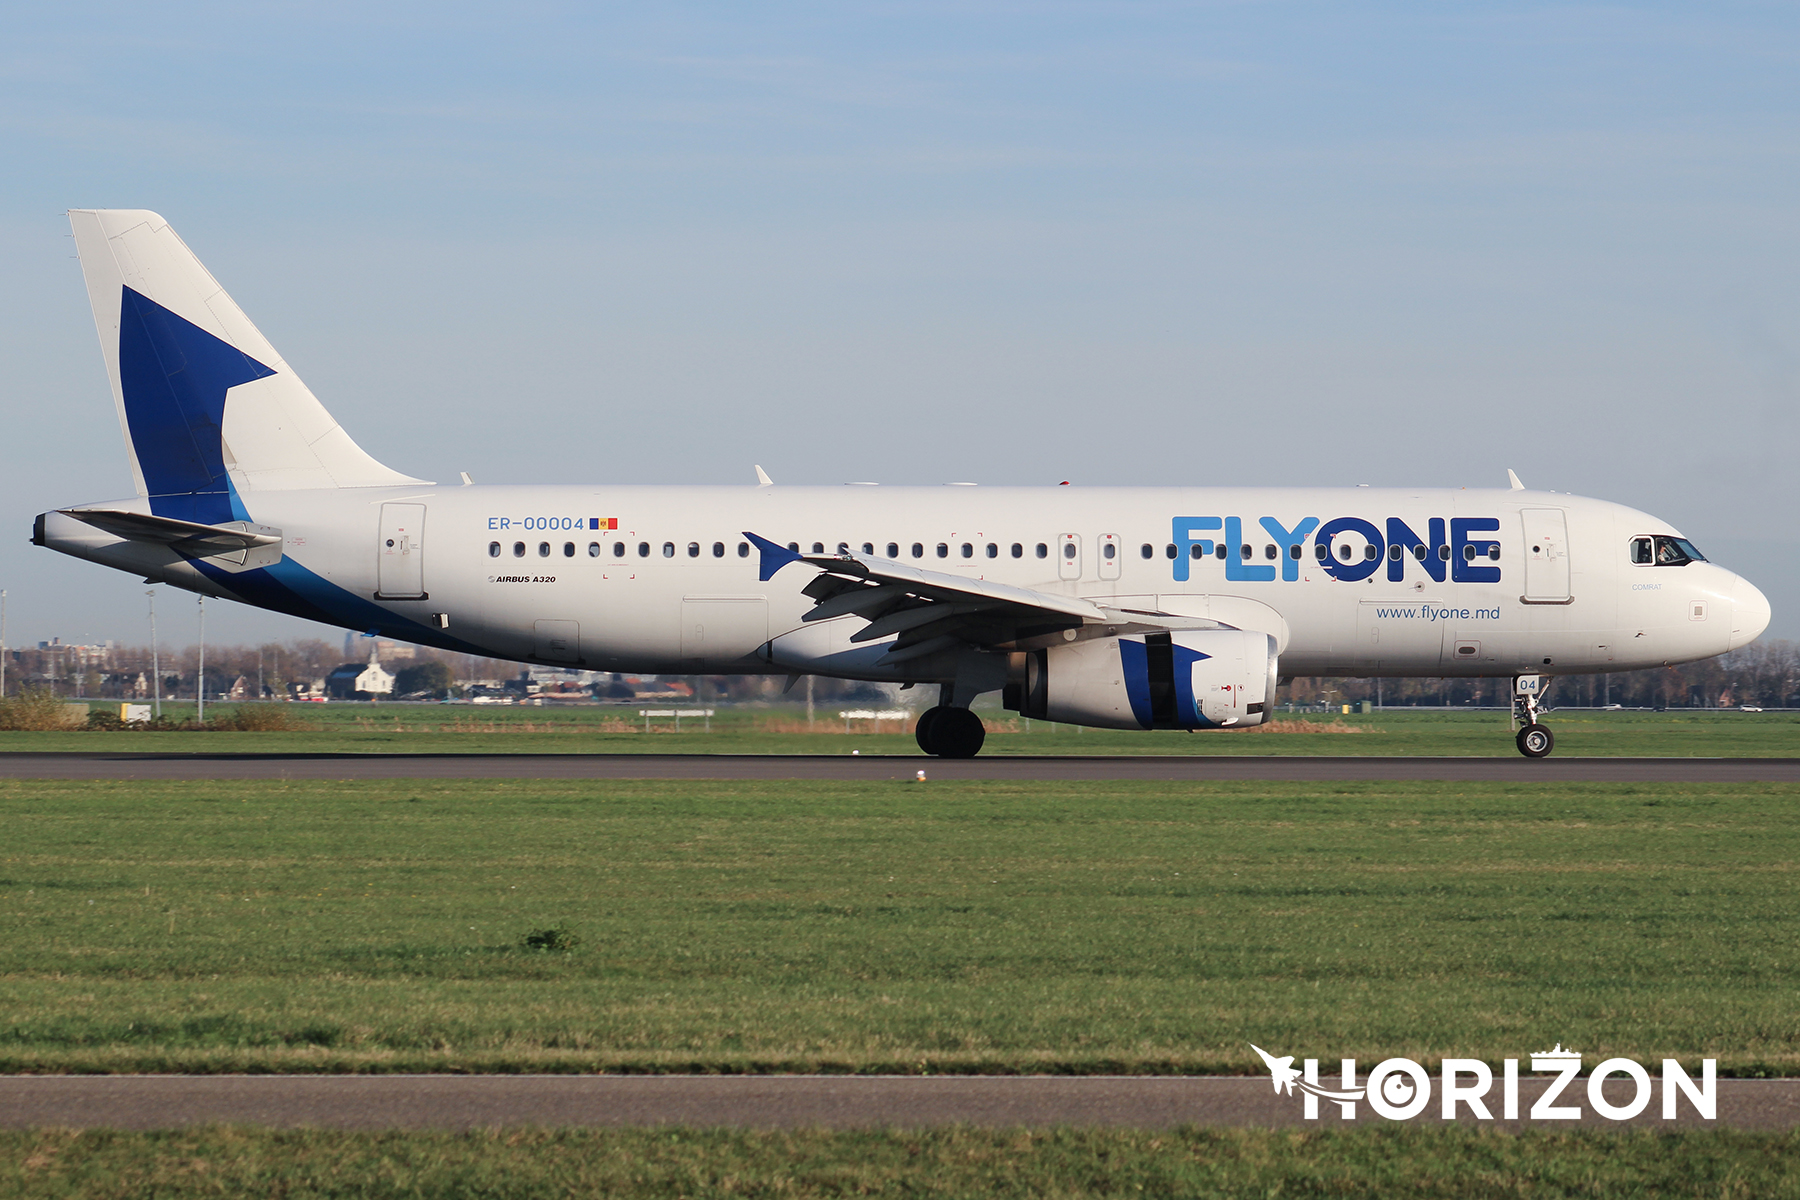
x=1282, y=1071
x=1111, y=607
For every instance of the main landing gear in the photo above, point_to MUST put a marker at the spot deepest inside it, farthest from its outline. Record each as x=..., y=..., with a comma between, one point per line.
x=1534, y=739
x=950, y=732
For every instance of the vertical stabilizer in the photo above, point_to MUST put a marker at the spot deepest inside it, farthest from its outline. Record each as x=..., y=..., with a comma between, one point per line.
x=208, y=408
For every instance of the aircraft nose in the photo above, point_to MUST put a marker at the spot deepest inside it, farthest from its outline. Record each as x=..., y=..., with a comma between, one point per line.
x=1749, y=614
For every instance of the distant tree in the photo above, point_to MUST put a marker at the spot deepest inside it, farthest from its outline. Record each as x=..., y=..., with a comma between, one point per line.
x=424, y=677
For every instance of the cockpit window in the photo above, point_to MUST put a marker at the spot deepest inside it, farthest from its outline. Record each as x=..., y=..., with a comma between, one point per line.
x=1664, y=551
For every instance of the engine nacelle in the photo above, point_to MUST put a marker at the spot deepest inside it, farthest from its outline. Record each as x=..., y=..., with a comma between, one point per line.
x=1192, y=679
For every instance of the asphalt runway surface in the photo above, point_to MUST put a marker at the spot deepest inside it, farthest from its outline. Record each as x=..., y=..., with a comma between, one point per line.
x=459, y=1102
x=875, y=767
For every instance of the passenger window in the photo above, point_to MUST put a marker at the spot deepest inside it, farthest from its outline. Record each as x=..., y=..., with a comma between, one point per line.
x=968, y=551
x=693, y=549
x=1108, y=551
x=1468, y=554
x=869, y=548
x=1419, y=553
x=794, y=546
x=1641, y=551
x=1018, y=551
x=1443, y=553
x=1147, y=551
x=1043, y=551
x=1344, y=551
x=593, y=549
x=568, y=549
x=1169, y=550
x=1269, y=551
x=943, y=550
x=543, y=549
x=818, y=547
x=843, y=548
x=718, y=549
x=1370, y=553
x=1294, y=551
x=1244, y=551
x=993, y=550
x=893, y=549
x=1069, y=550
x=1219, y=551
x=618, y=549
x=918, y=550
x=1494, y=552
x=1194, y=551
x=743, y=549
x=668, y=549
x=518, y=549
x=493, y=549
x=1393, y=553
x=643, y=549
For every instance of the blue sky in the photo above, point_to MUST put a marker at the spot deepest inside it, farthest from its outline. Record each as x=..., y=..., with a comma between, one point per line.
x=1157, y=243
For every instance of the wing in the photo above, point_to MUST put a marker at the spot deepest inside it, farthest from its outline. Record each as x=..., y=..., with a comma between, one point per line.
x=928, y=611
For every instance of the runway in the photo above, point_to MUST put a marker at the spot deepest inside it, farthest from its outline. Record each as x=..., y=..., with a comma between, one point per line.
x=874, y=768
x=457, y=1102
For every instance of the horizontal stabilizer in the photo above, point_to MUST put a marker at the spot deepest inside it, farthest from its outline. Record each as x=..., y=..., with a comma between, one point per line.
x=185, y=537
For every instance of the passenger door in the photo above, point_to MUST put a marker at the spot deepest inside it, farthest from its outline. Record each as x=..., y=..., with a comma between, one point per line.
x=1546, y=552
x=400, y=553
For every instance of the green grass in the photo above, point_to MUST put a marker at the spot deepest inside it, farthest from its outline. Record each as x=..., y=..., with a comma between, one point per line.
x=932, y=927
x=465, y=729
x=1390, y=1163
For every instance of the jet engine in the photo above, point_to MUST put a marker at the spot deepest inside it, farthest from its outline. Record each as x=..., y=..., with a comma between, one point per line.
x=1186, y=679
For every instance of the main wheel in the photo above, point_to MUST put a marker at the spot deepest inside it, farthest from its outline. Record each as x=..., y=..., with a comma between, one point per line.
x=923, y=731
x=1535, y=741
x=957, y=733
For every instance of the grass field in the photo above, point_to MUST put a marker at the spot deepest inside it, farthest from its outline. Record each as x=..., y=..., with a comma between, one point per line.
x=1393, y=1164
x=890, y=927
x=453, y=729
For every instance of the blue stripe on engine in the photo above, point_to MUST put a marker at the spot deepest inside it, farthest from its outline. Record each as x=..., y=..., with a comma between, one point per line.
x=1187, y=704
x=1134, y=661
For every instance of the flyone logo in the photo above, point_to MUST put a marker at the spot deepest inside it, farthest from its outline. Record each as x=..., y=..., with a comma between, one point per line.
x=1400, y=1089
x=1346, y=548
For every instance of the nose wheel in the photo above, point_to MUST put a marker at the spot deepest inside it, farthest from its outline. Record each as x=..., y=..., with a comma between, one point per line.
x=1533, y=738
x=1535, y=741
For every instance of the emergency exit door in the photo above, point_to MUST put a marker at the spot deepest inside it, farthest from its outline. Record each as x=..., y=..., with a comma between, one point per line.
x=400, y=553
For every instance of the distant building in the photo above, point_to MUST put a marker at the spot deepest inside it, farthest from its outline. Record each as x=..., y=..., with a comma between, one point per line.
x=389, y=650
x=360, y=681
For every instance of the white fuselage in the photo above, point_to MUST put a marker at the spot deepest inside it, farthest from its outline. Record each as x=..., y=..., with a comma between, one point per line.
x=662, y=580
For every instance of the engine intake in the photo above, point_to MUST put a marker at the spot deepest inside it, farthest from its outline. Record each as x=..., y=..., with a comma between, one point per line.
x=1192, y=679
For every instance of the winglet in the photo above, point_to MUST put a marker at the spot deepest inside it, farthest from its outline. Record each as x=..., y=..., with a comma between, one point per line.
x=1514, y=480
x=762, y=477
x=773, y=557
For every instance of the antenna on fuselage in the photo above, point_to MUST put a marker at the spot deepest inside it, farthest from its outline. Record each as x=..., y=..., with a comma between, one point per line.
x=762, y=478
x=1514, y=480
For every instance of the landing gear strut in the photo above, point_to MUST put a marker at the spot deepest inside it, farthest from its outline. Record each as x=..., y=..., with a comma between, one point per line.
x=1534, y=740
x=950, y=732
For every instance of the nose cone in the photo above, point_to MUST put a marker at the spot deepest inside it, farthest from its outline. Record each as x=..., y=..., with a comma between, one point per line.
x=1749, y=614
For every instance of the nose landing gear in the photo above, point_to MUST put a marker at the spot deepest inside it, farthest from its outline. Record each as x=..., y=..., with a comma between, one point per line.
x=1534, y=739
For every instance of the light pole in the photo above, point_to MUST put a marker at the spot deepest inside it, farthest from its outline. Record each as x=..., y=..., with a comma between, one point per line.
x=200, y=679
x=2, y=643
x=155, y=662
